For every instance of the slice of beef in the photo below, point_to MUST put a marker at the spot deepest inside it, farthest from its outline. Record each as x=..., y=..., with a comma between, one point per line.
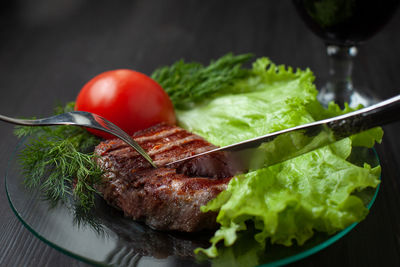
x=164, y=198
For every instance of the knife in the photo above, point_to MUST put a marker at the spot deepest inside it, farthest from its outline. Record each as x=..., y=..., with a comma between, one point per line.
x=279, y=146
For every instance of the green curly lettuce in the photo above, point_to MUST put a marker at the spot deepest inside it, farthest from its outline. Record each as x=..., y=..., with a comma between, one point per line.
x=289, y=201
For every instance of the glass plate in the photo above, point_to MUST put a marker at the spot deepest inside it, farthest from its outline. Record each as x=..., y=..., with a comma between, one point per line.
x=106, y=238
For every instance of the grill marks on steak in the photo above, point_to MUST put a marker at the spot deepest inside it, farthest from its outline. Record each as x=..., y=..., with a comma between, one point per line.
x=164, y=198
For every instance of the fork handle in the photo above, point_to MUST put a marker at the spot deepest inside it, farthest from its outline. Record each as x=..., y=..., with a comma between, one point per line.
x=14, y=121
x=54, y=120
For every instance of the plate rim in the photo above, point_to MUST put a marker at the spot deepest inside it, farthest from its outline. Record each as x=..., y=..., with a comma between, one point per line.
x=283, y=261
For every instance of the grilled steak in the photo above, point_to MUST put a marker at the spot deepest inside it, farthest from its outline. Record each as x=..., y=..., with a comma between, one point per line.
x=164, y=198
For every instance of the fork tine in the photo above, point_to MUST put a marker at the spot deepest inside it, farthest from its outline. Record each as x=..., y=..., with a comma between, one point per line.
x=118, y=132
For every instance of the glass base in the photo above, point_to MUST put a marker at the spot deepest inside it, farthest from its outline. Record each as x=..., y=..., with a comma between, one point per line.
x=352, y=96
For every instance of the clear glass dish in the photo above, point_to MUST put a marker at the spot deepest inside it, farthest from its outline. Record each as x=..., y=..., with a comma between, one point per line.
x=106, y=238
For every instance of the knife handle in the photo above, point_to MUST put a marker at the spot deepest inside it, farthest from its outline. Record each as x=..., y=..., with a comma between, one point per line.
x=382, y=113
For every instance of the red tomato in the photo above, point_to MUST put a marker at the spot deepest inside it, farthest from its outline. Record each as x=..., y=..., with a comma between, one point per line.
x=129, y=99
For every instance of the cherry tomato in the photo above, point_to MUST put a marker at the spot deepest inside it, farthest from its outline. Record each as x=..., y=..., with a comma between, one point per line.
x=129, y=99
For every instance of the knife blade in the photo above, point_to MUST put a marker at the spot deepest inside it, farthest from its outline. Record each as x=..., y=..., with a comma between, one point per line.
x=273, y=148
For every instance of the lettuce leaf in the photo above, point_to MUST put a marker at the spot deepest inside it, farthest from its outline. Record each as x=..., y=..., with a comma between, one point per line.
x=270, y=99
x=286, y=202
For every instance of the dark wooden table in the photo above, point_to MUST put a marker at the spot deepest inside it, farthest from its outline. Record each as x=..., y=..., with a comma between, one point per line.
x=49, y=49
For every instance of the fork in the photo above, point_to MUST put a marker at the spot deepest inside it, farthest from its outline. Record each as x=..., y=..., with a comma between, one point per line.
x=83, y=119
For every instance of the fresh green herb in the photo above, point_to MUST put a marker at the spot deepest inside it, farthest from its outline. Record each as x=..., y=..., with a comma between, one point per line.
x=56, y=160
x=189, y=83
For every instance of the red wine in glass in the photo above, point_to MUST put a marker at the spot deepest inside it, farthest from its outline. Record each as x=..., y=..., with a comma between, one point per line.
x=343, y=25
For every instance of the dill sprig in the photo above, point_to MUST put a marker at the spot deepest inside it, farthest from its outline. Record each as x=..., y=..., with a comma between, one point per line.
x=59, y=161
x=188, y=83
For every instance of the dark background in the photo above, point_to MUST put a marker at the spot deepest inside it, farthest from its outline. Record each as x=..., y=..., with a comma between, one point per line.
x=49, y=49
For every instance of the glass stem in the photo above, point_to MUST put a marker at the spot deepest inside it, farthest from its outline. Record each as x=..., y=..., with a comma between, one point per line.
x=341, y=66
x=339, y=86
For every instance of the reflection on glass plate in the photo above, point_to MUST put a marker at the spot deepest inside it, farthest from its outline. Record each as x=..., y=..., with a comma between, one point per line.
x=104, y=237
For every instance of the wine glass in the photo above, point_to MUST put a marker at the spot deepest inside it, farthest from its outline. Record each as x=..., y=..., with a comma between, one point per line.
x=343, y=25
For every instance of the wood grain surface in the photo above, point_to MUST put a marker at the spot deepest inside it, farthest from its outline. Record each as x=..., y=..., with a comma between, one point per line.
x=49, y=49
